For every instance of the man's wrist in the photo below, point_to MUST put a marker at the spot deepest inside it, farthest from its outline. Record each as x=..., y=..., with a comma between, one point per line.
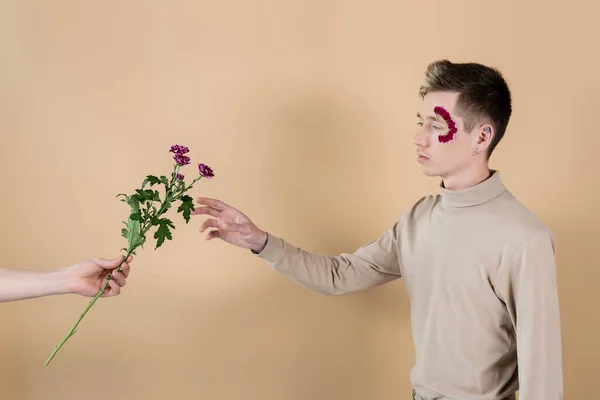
x=261, y=244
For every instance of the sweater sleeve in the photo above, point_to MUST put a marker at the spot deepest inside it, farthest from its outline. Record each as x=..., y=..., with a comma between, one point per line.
x=532, y=301
x=372, y=264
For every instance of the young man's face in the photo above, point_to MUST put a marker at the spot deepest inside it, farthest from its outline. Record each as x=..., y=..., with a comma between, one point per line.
x=443, y=146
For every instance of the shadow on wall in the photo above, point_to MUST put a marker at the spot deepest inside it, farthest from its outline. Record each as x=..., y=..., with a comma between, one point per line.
x=274, y=342
x=578, y=273
x=321, y=186
x=328, y=346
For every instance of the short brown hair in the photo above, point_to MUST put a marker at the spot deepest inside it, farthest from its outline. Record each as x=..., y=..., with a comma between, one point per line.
x=484, y=94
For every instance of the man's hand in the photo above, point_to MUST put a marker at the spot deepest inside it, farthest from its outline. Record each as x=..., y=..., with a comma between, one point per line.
x=230, y=225
x=87, y=277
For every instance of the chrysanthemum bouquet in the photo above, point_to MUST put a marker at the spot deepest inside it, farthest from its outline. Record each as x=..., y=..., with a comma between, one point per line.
x=147, y=211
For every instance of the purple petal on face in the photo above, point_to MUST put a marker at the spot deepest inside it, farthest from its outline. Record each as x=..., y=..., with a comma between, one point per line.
x=442, y=112
x=452, y=129
x=206, y=171
x=446, y=138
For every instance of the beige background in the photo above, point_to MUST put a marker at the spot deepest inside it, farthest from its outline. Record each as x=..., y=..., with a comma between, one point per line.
x=305, y=110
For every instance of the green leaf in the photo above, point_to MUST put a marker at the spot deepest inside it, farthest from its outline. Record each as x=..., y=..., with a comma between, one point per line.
x=133, y=201
x=132, y=234
x=164, y=180
x=163, y=232
x=135, y=216
x=142, y=195
x=137, y=242
x=186, y=207
x=150, y=179
x=166, y=206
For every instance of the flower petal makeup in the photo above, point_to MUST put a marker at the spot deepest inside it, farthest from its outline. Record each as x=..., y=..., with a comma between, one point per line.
x=444, y=116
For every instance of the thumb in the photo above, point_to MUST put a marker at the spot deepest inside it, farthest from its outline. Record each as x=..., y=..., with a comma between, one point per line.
x=110, y=264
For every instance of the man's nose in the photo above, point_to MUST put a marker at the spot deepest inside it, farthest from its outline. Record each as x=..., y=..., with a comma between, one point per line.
x=420, y=138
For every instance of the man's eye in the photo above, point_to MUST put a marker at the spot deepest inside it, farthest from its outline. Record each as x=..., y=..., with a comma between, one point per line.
x=419, y=124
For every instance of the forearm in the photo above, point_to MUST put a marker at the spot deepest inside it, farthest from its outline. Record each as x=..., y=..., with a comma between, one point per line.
x=20, y=285
x=534, y=303
x=314, y=271
x=371, y=265
x=539, y=345
x=540, y=357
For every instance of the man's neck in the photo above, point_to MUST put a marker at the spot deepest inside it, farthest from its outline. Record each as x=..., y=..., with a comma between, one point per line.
x=466, y=179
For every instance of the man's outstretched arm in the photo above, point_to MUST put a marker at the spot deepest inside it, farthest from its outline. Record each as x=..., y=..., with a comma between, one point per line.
x=372, y=264
x=84, y=278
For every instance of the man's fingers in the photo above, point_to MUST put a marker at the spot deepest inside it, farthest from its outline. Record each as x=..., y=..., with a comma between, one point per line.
x=214, y=203
x=213, y=212
x=209, y=223
x=212, y=235
x=225, y=226
x=223, y=229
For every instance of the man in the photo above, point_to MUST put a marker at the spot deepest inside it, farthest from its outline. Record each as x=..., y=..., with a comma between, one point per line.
x=479, y=268
x=83, y=278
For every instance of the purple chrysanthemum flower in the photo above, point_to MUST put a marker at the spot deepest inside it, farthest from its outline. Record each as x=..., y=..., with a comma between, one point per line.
x=177, y=149
x=206, y=171
x=181, y=159
x=180, y=177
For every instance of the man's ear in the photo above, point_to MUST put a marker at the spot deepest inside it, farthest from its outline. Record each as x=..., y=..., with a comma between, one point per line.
x=485, y=133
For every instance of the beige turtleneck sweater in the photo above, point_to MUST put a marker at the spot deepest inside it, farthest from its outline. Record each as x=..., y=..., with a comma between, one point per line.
x=480, y=273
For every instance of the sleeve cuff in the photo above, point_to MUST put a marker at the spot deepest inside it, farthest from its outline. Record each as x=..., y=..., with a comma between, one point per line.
x=273, y=249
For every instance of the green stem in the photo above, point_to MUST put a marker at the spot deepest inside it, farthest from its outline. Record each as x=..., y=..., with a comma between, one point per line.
x=178, y=196
x=146, y=225
x=91, y=303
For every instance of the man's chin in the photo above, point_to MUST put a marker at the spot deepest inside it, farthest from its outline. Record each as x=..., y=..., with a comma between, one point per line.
x=429, y=172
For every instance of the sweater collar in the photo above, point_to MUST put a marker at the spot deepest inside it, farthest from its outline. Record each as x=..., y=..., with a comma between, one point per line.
x=481, y=193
